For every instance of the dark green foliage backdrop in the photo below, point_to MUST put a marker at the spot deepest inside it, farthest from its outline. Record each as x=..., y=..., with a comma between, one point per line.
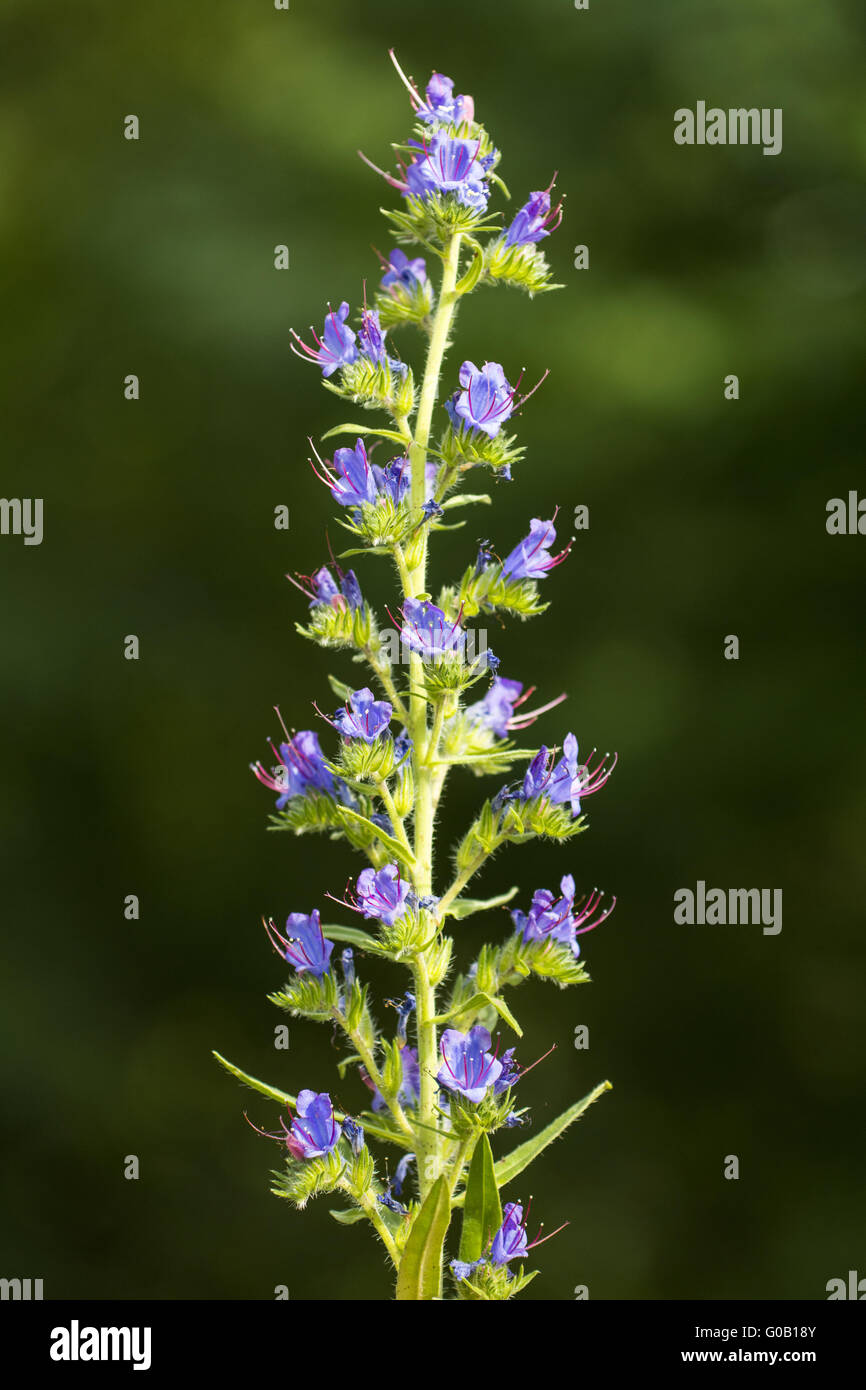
x=707, y=518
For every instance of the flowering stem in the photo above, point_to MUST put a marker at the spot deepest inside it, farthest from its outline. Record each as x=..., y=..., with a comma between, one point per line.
x=368, y=1206
x=414, y=584
x=461, y=881
x=383, y=671
x=396, y=820
x=375, y=1075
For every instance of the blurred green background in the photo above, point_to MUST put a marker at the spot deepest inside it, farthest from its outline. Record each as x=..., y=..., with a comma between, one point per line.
x=707, y=518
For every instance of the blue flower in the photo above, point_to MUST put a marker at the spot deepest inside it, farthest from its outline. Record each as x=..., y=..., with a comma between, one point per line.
x=548, y=916
x=400, y=1173
x=565, y=781
x=336, y=348
x=497, y=707
x=301, y=769
x=447, y=164
x=352, y=480
x=410, y=1088
x=314, y=1130
x=382, y=894
x=531, y=558
x=403, y=272
x=347, y=961
x=534, y=220
x=341, y=593
x=486, y=400
x=371, y=341
x=364, y=716
x=462, y=1269
x=441, y=106
x=355, y=1135
x=405, y=1009
x=467, y=1067
x=509, y=1075
x=304, y=946
x=509, y=1242
x=428, y=632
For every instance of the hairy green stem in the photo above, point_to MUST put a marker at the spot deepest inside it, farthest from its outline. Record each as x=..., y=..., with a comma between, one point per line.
x=414, y=584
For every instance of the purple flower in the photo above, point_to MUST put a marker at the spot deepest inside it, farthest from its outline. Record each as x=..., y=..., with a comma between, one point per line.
x=355, y=1135
x=510, y=1074
x=463, y=1269
x=400, y=1173
x=347, y=961
x=341, y=593
x=304, y=946
x=447, y=164
x=314, y=1130
x=394, y=480
x=510, y=1243
x=410, y=1089
x=301, y=768
x=486, y=400
x=352, y=480
x=534, y=220
x=560, y=918
x=336, y=348
x=441, y=106
x=427, y=631
x=382, y=893
x=403, y=272
x=364, y=716
x=405, y=1009
x=548, y=915
x=565, y=781
x=497, y=707
x=531, y=559
x=467, y=1067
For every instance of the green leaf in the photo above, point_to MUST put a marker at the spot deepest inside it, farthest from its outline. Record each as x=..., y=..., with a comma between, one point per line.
x=465, y=499
x=470, y=279
x=350, y=1217
x=466, y=907
x=261, y=1086
x=367, y=429
x=483, y=1001
x=285, y=1099
x=381, y=835
x=355, y=937
x=421, y=1263
x=482, y=1211
x=508, y=1168
x=365, y=550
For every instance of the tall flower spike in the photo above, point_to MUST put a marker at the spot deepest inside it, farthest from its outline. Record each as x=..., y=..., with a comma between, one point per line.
x=436, y=1091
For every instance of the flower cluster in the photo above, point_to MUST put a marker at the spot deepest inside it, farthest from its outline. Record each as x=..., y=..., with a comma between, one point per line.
x=427, y=1072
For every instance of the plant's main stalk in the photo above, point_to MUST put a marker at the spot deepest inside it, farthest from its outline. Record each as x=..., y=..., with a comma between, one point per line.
x=423, y=820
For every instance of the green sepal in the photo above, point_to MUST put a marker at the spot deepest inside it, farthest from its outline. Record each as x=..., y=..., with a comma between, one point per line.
x=518, y=267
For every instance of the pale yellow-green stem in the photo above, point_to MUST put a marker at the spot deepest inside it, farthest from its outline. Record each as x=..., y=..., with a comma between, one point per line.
x=414, y=579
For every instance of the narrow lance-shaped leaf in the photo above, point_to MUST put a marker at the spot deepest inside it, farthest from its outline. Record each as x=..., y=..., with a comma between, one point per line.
x=482, y=1212
x=510, y=1167
x=479, y=1001
x=467, y=907
x=421, y=1262
x=284, y=1098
